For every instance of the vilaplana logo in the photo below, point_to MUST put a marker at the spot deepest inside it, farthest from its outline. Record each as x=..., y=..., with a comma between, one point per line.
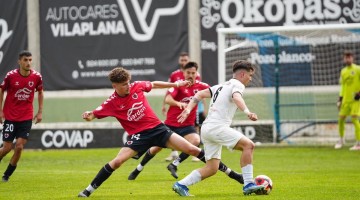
x=4, y=35
x=75, y=21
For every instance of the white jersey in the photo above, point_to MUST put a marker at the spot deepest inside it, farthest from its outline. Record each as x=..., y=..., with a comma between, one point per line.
x=222, y=107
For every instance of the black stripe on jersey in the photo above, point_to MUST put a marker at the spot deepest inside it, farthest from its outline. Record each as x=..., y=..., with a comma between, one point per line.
x=210, y=92
x=232, y=96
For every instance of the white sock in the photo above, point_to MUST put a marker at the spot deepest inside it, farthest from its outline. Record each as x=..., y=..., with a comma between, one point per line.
x=90, y=189
x=191, y=179
x=247, y=172
x=140, y=167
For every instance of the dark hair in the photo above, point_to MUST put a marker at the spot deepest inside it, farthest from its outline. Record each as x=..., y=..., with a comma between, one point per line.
x=348, y=53
x=190, y=65
x=242, y=64
x=119, y=75
x=184, y=54
x=24, y=53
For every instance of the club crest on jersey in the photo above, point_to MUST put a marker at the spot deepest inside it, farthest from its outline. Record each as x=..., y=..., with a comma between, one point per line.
x=31, y=83
x=135, y=96
x=196, y=90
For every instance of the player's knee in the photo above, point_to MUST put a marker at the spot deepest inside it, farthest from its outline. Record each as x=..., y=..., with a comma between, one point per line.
x=19, y=147
x=250, y=145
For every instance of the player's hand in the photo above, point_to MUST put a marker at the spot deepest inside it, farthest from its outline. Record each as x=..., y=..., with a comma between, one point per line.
x=338, y=105
x=38, y=118
x=181, y=105
x=357, y=96
x=88, y=115
x=183, y=83
x=183, y=116
x=252, y=116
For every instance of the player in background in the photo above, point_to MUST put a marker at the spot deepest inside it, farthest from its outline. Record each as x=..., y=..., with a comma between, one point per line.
x=175, y=76
x=349, y=95
x=130, y=107
x=178, y=98
x=20, y=85
x=216, y=132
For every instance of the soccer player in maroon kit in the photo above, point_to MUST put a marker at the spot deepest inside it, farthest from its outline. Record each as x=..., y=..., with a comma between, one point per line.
x=178, y=98
x=130, y=107
x=175, y=76
x=20, y=84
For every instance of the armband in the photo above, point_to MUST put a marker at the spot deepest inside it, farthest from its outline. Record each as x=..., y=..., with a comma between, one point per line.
x=247, y=111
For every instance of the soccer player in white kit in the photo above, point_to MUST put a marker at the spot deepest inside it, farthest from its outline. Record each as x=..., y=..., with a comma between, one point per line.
x=226, y=98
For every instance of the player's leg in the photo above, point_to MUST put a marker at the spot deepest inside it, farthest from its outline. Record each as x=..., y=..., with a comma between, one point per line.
x=19, y=146
x=190, y=135
x=355, y=121
x=150, y=153
x=213, y=155
x=210, y=168
x=106, y=171
x=21, y=131
x=5, y=149
x=177, y=142
x=344, y=111
x=355, y=108
x=246, y=159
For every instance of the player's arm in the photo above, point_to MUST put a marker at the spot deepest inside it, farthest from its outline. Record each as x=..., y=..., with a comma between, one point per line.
x=38, y=116
x=172, y=102
x=240, y=103
x=1, y=103
x=193, y=102
x=341, y=93
x=162, y=84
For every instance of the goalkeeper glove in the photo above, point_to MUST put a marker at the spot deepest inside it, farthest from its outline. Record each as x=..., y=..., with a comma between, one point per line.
x=357, y=96
x=338, y=103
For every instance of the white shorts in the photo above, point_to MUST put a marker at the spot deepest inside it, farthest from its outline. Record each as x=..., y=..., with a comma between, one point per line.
x=216, y=136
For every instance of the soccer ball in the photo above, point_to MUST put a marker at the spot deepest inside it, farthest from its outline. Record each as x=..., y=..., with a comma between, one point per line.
x=266, y=182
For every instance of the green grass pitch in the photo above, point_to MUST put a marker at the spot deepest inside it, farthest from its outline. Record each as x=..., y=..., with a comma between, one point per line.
x=297, y=173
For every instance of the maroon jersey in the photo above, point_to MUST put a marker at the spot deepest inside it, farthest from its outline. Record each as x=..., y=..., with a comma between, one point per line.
x=18, y=104
x=183, y=94
x=132, y=111
x=179, y=75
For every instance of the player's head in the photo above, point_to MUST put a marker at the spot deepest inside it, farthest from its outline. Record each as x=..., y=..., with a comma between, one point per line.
x=120, y=80
x=243, y=71
x=25, y=60
x=183, y=59
x=348, y=57
x=190, y=71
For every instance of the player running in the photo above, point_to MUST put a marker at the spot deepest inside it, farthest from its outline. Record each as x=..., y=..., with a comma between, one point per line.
x=216, y=132
x=178, y=98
